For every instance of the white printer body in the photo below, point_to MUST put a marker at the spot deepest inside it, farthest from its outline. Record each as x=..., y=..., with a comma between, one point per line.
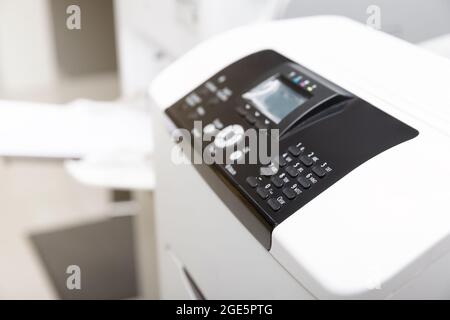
x=364, y=151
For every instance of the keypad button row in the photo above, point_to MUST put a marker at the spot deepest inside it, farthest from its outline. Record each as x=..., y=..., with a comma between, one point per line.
x=288, y=192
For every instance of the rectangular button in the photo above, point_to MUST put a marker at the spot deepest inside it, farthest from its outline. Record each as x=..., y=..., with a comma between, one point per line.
x=277, y=182
x=222, y=96
x=307, y=161
x=262, y=192
x=304, y=182
x=211, y=86
x=274, y=204
x=282, y=161
x=252, y=182
x=289, y=193
x=292, y=171
x=294, y=150
x=319, y=171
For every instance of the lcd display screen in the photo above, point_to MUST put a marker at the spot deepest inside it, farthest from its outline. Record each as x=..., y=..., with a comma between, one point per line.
x=274, y=99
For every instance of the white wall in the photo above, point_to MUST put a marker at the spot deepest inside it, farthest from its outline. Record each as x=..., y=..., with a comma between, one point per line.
x=26, y=45
x=411, y=20
x=151, y=33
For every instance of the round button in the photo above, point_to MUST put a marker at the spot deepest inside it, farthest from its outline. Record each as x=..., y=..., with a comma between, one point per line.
x=229, y=136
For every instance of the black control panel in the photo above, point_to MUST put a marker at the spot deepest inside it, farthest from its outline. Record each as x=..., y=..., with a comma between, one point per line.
x=321, y=131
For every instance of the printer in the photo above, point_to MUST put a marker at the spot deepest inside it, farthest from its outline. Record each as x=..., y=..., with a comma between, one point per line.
x=352, y=202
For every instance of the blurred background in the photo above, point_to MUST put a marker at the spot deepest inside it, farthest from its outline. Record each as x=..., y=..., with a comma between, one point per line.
x=76, y=178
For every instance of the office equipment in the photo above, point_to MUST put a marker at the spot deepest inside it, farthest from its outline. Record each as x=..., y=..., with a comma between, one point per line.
x=372, y=223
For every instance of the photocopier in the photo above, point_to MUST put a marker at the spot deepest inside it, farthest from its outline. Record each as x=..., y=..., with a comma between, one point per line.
x=354, y=204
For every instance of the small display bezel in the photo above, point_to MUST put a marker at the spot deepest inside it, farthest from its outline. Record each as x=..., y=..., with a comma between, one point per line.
x=319, y=95
x=265, y=108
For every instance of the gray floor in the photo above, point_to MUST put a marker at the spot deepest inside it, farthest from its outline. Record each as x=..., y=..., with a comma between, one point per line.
x=38, y=196
x=91, y=260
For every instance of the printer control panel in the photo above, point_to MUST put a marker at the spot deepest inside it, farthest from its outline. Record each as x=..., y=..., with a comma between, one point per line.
x=299, y=170
x=278, y=134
